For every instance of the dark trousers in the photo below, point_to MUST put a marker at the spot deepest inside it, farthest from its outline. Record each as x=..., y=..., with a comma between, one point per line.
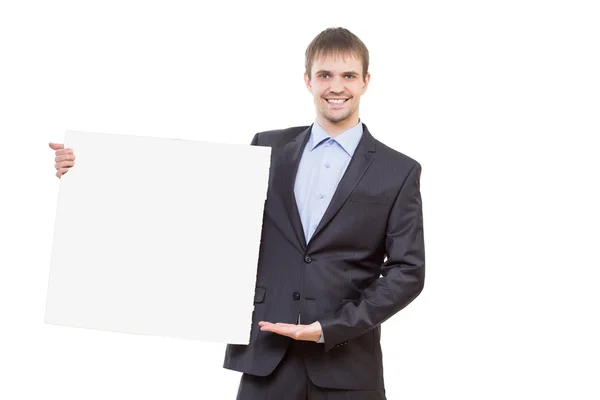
x=290, y=381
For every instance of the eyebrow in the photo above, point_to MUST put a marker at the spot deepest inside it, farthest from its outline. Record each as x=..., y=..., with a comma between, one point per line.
x=322, y=71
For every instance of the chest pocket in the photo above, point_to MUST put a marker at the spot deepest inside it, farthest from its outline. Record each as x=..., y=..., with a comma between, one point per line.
x=362, y=198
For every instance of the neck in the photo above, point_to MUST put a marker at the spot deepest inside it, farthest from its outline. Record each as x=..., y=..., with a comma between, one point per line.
x=333, y=129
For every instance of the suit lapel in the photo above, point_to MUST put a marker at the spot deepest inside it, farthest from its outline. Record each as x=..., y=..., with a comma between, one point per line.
x=287, y=169
x=360, y=162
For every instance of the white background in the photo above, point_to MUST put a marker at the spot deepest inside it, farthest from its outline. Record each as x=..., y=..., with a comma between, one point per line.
x=499, y=101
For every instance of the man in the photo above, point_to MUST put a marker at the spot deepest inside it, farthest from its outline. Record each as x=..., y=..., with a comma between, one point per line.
x=342, y=242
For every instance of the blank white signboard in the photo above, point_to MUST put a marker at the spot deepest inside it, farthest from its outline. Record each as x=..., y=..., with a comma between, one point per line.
x=158, y=236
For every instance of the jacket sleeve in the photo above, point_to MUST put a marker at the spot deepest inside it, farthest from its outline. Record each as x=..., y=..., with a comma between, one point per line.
x=403, y=272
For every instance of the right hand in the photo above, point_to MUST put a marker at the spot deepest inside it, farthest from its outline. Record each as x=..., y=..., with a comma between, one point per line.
x=65, y=158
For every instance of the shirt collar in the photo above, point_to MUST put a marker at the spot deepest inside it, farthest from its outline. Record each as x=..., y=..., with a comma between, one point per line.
x=348, y=139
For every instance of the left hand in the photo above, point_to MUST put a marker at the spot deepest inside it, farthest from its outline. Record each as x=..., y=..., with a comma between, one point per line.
x=311, y=333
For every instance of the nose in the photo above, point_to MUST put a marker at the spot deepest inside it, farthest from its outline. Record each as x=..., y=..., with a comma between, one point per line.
x=337, y=85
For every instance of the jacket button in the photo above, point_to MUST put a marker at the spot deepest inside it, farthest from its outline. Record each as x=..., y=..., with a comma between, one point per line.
x=296, y=296
x=307, y=259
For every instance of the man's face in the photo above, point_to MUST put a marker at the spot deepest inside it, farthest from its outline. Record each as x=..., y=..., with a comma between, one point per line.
x=336, y=84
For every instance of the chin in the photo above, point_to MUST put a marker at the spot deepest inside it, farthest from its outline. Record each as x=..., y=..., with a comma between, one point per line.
x=337, y=118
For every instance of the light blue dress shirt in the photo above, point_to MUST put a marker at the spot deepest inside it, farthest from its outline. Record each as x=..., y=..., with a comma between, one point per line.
x=321, y=168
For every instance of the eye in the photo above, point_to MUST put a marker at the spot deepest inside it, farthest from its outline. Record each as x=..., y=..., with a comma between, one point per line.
x=324, y=76
x=350, y=76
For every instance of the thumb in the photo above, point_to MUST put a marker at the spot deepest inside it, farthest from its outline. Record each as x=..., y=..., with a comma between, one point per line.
x=56, y=146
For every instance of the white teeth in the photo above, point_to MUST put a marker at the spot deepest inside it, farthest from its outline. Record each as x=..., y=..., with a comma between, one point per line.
x=336, y=101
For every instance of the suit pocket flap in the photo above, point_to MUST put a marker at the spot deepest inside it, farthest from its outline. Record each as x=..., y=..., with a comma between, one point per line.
x=259, y=294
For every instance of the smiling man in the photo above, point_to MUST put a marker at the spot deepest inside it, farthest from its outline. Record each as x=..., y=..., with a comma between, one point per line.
x=342, y=246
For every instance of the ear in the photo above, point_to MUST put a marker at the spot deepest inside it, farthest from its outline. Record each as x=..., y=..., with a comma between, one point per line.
x=307, y=82
x=366, y=82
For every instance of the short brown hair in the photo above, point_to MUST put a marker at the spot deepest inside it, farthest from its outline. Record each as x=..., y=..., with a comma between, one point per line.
x=336, y=41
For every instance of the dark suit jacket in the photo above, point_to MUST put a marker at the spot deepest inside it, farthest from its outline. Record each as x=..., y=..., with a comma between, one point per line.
x=364, y=263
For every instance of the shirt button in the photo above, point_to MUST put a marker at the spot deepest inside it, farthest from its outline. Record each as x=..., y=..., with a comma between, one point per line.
x=330, y=142
x=307, y=259
x=296, y=296
x=327, y=165
x=320, y=195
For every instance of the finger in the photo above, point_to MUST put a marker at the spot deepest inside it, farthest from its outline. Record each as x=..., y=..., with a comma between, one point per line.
x=56, y=146
x=66, y=157
x=61, y=171
x=279, y=325
x=267, y=326
x=294, y=333
x=280, y=329
x=64, y=164
x=61, y=152
x=283, y=324
x=274, y=329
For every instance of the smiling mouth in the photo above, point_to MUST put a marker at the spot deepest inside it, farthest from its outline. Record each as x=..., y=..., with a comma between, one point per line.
x=337, y=101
